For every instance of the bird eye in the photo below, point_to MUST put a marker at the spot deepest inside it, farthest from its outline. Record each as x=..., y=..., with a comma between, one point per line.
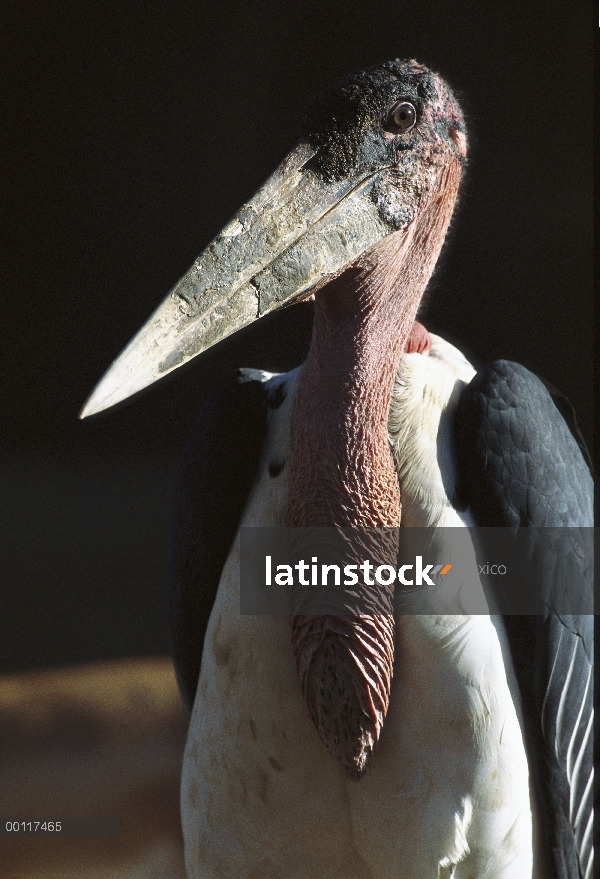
x=401, y=118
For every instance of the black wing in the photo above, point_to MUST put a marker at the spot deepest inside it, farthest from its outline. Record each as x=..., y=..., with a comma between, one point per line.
x=219, y=465
x=520, y=465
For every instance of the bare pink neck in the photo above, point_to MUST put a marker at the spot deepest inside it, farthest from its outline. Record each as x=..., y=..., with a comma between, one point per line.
x=342, y=470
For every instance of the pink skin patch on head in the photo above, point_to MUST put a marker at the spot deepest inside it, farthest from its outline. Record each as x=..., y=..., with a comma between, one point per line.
x=419, y=341
x=460, y=140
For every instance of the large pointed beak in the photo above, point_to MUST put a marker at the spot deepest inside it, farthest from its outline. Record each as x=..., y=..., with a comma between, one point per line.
x=295, y=232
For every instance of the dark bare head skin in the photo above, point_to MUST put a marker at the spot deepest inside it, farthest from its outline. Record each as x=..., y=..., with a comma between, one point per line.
x=342, y=471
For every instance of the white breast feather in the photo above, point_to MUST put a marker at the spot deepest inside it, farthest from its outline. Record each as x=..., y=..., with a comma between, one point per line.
x=420, y=427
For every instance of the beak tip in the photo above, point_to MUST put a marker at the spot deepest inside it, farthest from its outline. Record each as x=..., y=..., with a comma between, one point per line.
x=90, y=407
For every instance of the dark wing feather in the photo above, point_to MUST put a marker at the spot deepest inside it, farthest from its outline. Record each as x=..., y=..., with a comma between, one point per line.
x=520, y=465
x=219, y=465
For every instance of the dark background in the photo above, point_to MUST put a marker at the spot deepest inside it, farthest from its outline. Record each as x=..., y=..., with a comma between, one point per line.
x=131, y=132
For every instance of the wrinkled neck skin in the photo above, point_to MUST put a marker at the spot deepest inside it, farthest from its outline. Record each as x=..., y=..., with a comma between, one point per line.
x=342, y=467
x=342, y=471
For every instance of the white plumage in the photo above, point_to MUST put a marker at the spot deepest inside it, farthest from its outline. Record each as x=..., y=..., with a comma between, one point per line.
x=447, y=793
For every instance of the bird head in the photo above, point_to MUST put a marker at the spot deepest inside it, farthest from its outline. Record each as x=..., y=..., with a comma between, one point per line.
x=379, y=154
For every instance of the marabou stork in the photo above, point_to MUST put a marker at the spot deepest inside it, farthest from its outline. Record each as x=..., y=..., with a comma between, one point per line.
x=474, y=760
